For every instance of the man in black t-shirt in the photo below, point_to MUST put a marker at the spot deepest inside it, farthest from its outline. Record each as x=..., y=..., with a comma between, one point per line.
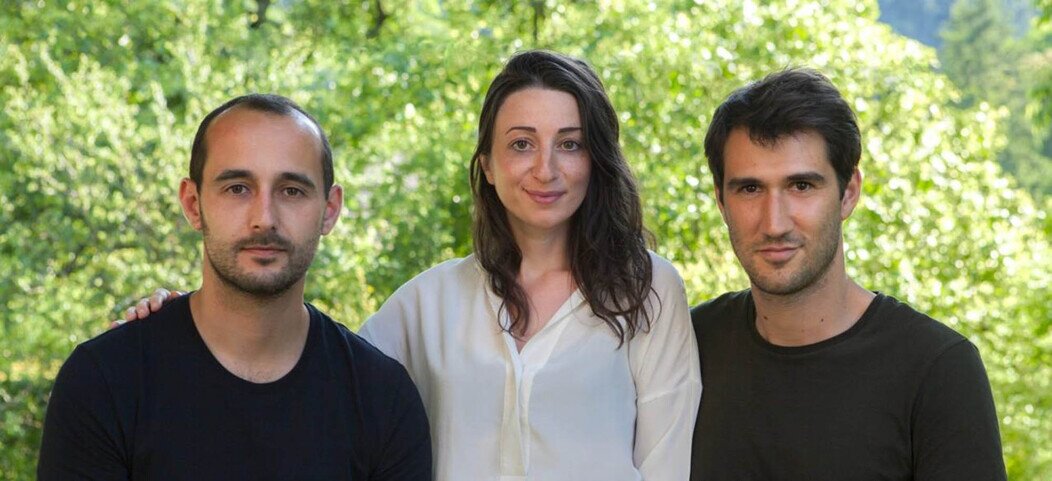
x=807, y=375
x=241, y=379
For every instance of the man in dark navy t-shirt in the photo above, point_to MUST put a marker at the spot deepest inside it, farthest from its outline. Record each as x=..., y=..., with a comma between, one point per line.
x=241, y=379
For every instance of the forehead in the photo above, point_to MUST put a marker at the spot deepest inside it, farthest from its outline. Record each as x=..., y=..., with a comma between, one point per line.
x=242, y=138
x=803, y=151
x=538, y=106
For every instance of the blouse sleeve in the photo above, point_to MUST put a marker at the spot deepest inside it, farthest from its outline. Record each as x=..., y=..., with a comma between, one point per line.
x=388, y=328
x=665, y=365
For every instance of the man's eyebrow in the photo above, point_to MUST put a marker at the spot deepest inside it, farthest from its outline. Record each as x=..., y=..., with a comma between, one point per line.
x=233, y=174
x=299, y=179
x=812, y=177
x=741, y=181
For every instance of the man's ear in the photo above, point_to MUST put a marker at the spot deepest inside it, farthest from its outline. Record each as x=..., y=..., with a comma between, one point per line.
x=719, y=201
x=487, y=168
x=852, y=192
x=190, y=198
x=333, y=207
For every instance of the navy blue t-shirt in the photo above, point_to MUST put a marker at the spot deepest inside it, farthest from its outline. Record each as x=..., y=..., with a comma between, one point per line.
x=148, y=400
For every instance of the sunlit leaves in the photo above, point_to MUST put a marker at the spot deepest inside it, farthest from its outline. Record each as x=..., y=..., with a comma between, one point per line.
x=101, y=103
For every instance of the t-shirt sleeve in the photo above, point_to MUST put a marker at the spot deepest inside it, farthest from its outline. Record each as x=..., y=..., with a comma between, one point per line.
x=81, y=438
x=407, y=452
x=668, y=382
x=955, y=431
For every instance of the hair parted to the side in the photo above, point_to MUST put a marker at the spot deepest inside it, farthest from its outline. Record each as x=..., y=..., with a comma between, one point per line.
x=607, y=242
x=784, y=103
x=268, y=103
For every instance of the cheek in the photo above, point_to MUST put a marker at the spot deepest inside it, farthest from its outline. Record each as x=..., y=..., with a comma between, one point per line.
x=580, y=172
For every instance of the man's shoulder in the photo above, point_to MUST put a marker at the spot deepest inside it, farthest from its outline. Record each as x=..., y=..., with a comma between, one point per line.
x=721, y=309
x=118, y=349
x=109, y=367
x=364, y=356
x=914, y=328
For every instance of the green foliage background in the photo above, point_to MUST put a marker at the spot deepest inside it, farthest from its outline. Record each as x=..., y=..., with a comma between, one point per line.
x=101, y=99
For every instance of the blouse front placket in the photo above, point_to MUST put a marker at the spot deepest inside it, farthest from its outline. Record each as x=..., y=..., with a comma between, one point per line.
x=521, y=368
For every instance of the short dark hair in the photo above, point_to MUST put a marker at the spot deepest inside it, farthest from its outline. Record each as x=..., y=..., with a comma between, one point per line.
x=784, y=103
x=607, y=241
x=269, y=103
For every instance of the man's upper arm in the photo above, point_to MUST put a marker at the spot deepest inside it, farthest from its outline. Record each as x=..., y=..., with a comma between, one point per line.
x=406, y=455
x=81, y=437
x=955, y=430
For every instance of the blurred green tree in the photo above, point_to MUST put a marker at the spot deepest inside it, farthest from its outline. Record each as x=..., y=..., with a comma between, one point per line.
x=101, y=100
x=989, y=63
x=1040, y=65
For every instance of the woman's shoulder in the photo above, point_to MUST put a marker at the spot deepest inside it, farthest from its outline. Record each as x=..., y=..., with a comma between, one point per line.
x=421, y=296
x=449, y=273
x=663, y=271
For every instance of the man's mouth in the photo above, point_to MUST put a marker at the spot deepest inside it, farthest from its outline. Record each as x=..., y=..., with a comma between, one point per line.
x=778, y=253
x=263, y=250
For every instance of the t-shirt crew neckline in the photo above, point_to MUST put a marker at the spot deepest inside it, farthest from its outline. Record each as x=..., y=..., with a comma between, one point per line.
x=863, y=320
x=222, y=374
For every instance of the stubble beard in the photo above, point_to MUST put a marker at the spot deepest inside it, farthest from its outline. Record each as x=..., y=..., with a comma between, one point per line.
x=222, y=257
x=809, y=274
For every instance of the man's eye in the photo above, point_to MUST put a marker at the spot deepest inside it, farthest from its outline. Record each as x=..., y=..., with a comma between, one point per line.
x=750, y=189
x=802, y=186
x=293, y=192
x=237, y=189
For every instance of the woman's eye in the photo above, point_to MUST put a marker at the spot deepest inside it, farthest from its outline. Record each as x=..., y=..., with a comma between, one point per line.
x=570, y=145
x=520, y=145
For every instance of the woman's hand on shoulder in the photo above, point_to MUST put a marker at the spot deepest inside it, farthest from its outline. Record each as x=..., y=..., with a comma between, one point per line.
x=147, y=306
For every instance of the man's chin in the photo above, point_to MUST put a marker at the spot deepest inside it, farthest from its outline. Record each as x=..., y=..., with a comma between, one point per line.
x=261, y=286
x=263, y=290
x=774, y=285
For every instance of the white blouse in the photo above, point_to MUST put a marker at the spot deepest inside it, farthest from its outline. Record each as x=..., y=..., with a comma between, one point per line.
x=570, y=406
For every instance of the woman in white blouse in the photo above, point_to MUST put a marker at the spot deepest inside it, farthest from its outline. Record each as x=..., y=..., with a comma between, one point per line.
x=561, y=349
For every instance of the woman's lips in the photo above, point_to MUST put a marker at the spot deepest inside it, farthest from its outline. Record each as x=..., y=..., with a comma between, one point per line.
x=544, y=197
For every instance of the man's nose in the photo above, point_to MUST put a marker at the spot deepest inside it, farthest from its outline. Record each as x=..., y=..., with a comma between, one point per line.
x=777, y=220
x=263, y=212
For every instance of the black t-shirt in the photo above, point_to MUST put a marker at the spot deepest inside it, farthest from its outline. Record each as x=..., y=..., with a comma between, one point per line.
x=148, y=400
x=898, y=396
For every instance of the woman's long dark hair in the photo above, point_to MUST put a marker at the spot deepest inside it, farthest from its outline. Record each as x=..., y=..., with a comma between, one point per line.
x=607, y=242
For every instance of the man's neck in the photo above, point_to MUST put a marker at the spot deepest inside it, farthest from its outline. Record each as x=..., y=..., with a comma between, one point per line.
x=819, y=312
x=257, y=339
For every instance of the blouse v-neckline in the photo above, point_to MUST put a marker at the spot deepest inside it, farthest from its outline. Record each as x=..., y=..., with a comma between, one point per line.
x=520, y=370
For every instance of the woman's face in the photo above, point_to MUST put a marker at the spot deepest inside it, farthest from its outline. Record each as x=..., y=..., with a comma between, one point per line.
x=538, y=163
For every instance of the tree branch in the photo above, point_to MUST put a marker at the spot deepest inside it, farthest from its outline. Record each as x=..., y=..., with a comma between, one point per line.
x=261, y=13
x=538, y=12
x=378, y=21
